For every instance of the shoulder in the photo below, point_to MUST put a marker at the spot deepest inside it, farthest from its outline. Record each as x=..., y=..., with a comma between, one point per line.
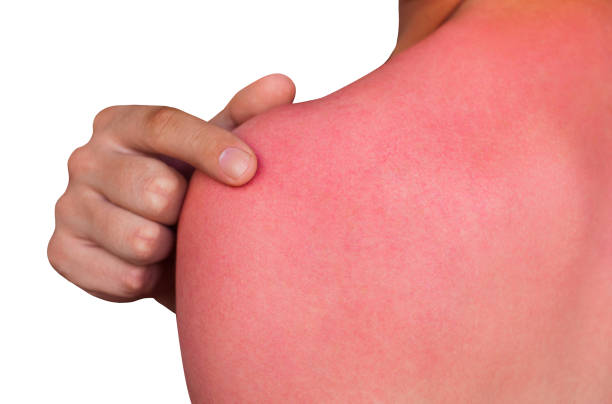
x=487, y=78
x=498, y=119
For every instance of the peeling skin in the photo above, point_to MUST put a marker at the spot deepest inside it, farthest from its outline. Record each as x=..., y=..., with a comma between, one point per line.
x=436, y=231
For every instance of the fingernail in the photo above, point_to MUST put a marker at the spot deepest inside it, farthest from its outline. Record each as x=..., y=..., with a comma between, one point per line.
x=234, y=162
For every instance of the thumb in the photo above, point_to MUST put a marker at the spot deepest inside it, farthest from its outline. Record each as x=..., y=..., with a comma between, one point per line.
x=258, y=97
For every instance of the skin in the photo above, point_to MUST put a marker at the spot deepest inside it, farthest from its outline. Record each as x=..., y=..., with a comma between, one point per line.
x=130, y=179
x=554, y=341
x=418, y=19
x=436, y=232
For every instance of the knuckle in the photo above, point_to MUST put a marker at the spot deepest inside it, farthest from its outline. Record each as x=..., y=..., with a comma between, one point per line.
x=144, y=242
x=56, y=254
x=80, y=161
x=159, y=122
x=63, y=207
x=151, y=168
x=103, y=117
x=53, y=254
x=135, y=282
x=158, y=204
x=161, y=191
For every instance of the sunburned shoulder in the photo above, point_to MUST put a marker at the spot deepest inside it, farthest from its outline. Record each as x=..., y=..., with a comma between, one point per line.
x=485, y=92
x=487, y=105
x=407, y=229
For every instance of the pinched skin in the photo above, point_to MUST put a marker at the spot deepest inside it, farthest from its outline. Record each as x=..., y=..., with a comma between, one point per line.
x=437, y=231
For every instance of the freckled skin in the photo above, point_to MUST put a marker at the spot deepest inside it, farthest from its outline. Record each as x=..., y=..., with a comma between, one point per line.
x=437, y=231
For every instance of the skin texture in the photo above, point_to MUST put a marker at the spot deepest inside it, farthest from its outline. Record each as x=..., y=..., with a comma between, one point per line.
x=437, y=231
x=115, y=223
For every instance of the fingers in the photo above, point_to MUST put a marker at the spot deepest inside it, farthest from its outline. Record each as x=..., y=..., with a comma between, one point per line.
x=258, y=97
x=145, y=186
x=208, y=146
x=128, y=182
x=132, y=238
x=98, y=272
x=177, y=134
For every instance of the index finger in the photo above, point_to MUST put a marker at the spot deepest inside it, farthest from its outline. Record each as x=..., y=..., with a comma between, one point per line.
x=174, y=133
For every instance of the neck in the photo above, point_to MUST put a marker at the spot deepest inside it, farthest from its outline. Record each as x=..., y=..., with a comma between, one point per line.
x=419, y=18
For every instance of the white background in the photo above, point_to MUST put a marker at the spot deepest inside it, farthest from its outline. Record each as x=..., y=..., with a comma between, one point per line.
x=63, y=61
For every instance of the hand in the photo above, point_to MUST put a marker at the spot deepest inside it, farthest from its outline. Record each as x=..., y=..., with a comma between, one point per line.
x=115, y=223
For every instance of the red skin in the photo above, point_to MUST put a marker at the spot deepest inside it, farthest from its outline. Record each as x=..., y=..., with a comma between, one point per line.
x=437, y=231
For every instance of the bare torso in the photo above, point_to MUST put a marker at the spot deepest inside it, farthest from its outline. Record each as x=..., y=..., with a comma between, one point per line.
x=437, y=231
